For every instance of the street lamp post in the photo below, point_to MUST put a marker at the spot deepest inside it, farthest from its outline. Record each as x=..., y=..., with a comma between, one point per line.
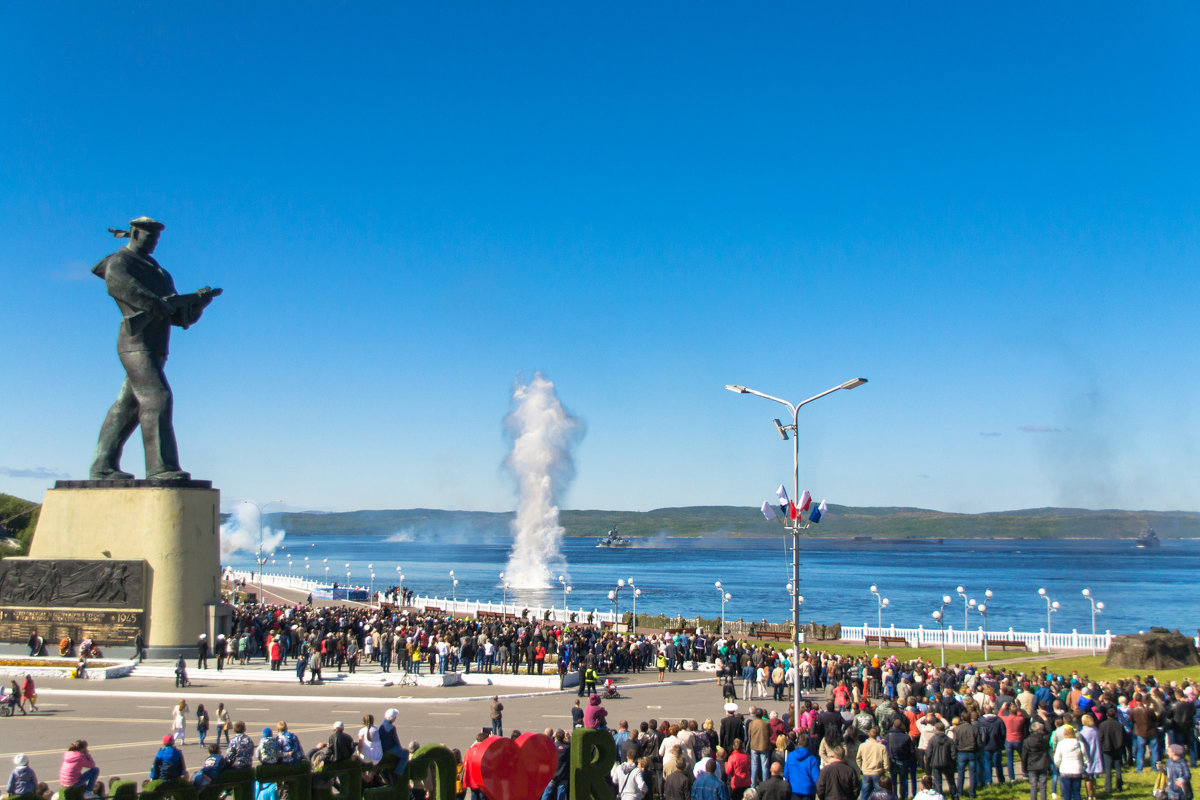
x=725, y=597
x=987, y=598
x=636, y=594
x=1096, y=609
x=566, y=591
x=1051, y=607
x=400, y=578
x=504, y=597
x=453, y=585
x=615, y=596
x=940, y=616
x=882, y=603
x=327, y=572
x=796, y=526
x=260, y=559
x=982, y=609
x=966, y=613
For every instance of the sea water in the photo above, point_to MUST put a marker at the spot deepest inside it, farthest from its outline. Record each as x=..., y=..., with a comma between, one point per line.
x=1140, y=588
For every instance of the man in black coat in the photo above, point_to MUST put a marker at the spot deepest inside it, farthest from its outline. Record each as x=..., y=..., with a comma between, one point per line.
x=838, y=780
x=775, y=787
x=1112, y=749
x=942, y=755
x=732, y=727
x=1035, y=759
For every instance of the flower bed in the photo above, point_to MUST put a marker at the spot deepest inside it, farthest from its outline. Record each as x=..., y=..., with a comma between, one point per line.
x=100, y=669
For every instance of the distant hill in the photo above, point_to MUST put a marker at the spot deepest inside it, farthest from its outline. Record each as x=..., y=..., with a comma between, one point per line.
x=18, y=518
x=841, y=521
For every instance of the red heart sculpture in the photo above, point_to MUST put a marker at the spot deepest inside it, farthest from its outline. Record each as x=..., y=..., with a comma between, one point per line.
x=508, y=770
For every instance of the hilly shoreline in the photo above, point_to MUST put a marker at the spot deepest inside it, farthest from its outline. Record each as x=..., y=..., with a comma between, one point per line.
x=733, y=521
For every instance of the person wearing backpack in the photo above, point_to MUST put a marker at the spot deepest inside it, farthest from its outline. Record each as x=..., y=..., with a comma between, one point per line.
x=628, y=777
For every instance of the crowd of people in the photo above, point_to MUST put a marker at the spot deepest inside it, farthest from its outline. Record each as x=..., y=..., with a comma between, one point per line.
x=883, y=729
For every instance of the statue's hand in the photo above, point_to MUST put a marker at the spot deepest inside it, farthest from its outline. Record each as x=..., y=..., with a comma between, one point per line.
x=163, y=308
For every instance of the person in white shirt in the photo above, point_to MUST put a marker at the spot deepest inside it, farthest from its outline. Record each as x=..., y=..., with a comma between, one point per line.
x=368, y=741
x=927, y=791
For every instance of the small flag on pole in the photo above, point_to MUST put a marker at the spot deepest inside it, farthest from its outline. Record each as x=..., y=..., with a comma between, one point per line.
x=784, y=503
x=768, y=511
x=817, y=513
x=805, y=501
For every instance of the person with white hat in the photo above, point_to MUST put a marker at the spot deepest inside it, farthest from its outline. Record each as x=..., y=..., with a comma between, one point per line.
x=22, y=780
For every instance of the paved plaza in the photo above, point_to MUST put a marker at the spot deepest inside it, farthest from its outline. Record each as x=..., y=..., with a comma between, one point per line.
x=124, y=720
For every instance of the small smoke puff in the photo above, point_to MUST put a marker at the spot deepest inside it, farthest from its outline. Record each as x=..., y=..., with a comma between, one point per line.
x=240, y=532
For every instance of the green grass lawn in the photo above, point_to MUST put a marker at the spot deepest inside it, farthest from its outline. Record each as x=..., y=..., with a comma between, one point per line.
x=1136, y=786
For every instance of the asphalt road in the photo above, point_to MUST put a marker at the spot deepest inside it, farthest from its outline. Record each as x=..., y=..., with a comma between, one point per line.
x=124, y=720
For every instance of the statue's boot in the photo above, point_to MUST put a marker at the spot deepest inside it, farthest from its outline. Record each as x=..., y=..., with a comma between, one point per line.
x=170, y=475
x=102, y=472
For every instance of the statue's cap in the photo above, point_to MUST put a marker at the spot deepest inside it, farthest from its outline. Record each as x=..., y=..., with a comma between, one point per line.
x=146, y=224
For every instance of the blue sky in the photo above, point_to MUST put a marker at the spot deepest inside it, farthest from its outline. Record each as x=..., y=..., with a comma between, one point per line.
x=990, y=211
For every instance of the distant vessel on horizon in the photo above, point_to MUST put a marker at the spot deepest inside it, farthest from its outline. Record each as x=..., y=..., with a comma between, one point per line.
x=1147, y=538
x=613, y=539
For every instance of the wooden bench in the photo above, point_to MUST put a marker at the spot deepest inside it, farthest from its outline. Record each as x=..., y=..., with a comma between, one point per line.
x=774, y=636
x=1004, y=644
x=888, y=641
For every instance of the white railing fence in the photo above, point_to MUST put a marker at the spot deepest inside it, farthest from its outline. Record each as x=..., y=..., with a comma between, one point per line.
x=1037, y=641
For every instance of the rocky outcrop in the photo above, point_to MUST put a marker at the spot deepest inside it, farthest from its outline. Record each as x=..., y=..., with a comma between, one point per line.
x=1159, y=649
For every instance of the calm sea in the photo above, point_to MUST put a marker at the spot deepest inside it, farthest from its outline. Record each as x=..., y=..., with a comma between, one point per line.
x=1139, y=588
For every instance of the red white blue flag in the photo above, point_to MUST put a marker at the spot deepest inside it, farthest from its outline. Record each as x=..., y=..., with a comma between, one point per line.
x=817, y=513
x=805, y=501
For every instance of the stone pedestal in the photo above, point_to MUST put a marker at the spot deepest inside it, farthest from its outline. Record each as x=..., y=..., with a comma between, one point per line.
x=174, y=528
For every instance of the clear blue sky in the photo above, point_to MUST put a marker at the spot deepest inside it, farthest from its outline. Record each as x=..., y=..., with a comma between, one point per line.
x=990, y=211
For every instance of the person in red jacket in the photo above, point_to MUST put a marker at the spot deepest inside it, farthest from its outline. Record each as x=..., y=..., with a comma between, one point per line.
x=1016, y=728
x=737, y=770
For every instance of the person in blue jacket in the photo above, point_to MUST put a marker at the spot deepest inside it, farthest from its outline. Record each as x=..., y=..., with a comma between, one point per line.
x=802, y=769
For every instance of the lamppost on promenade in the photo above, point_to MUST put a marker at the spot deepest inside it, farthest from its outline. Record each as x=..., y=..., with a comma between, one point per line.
x=260, y=558
x=987, y=598
x=306, y=572
x=327, y=572
x=882, y=602
x=982, y=609
x=504, y=596
x=967, y=605
x=1096, y=609
x=453, y=585
x=636, y=594
x=566, y=591
x=796, y=523
x=1051, y=607
x=940, y=616
x=725, y=597
x=372, y=584
x=400, y=578
x=615, y=596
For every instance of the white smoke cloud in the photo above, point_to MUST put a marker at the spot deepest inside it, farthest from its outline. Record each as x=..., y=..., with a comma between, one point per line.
x=543, y=434
x=240, y=532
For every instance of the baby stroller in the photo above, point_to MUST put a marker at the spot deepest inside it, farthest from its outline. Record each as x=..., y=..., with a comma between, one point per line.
x=610, y=690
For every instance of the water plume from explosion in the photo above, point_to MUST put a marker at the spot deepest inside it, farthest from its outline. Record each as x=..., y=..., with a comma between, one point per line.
x=240, y=532
x=543, y=434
